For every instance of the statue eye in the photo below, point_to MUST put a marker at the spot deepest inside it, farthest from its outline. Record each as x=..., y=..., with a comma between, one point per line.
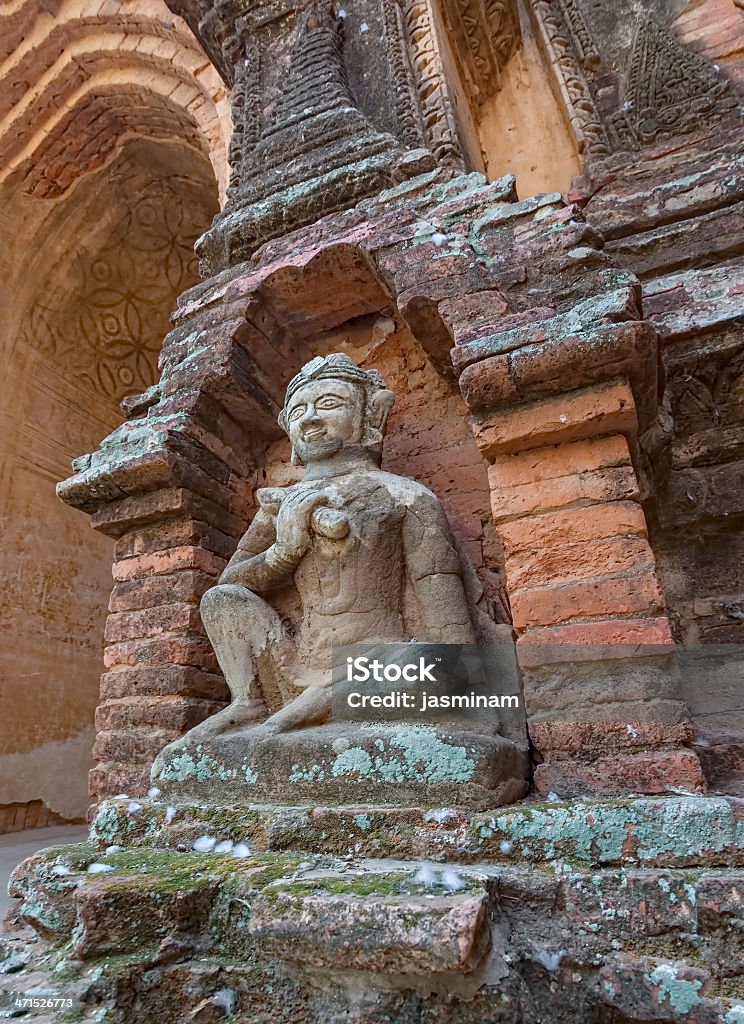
x=297, y=412
x=329, y=402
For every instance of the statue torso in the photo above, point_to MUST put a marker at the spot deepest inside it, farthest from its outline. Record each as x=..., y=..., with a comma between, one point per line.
x=352, y=589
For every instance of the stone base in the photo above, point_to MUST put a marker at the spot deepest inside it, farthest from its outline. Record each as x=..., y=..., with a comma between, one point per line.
x=600, y=911
x=343, y=763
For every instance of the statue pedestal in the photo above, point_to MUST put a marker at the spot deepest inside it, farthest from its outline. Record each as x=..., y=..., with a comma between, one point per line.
x=343, y=763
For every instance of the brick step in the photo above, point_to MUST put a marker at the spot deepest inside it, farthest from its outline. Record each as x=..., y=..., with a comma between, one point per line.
x=163, y=929
x=670, y=831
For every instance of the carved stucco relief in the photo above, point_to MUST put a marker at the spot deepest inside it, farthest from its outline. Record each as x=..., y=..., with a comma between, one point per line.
x=107, y=326
x=625, y=79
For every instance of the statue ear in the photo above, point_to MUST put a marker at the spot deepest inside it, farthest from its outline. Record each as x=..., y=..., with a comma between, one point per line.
x=378, y=408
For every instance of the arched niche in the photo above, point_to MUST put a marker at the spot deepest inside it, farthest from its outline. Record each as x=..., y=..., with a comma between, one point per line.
x=508, y=102
x=113, y=155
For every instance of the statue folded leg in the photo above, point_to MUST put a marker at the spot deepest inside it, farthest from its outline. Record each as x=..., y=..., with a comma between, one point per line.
x=257, y=655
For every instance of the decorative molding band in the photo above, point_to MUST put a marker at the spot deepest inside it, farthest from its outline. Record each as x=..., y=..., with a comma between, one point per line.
x=437, y=112
x=557, y=40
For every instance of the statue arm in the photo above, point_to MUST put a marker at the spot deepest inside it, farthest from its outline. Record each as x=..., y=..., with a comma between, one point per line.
x=433, y=565
x=256, y=564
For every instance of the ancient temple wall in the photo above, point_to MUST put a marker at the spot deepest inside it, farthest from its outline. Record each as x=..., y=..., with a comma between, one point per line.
x=523, y=129
x=670, y=211
x=81, y=78
x=55, y=585
x=576, y=419
x=112, y=135
x=569, y=377
x=89, y=336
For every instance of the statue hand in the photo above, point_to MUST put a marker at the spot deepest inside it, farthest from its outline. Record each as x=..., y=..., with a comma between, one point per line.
x=293, y=522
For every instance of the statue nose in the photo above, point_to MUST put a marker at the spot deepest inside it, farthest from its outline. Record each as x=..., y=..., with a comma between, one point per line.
x=311, y=414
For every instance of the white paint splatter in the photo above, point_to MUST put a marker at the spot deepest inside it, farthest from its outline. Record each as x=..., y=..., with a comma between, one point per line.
x=425, y=876
x=241, y=850
x=452, y=881
x=546, y=958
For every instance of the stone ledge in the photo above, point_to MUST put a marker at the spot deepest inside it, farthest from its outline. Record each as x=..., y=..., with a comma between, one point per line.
x=668, y=831
x=347, y=763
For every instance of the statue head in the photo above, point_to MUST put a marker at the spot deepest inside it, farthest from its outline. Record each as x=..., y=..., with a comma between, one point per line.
x=332, y=404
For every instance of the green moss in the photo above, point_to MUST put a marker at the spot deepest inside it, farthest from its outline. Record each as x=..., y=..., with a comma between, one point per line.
x=76, y=856
x=364, y=885
x=270, y=867
x=390, y=885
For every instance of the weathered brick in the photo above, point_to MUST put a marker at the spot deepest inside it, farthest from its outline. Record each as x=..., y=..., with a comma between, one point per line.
x=170, y=650
x=635, y=902
x=588, y=523
x=168, y=561
x=149, y=592
x=162, y=680
x=573, y=458
x=541, y=369
x=615, y=774
x=575, y=736
x=133, y=746
x=470, y=315
x=720, y=898
x=107, y=780
x=611, y=484
x=603, y=410
x=573, y=563
x=173, y=533
x=116, y=919
x=635, y=595
x=625, y=686
x=117, y=518
x=610, y=638
x=168, y=618
x=171, y=713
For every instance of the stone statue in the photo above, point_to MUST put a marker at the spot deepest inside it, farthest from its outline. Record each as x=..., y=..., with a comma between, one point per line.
x=371, y=557
x=351, y=537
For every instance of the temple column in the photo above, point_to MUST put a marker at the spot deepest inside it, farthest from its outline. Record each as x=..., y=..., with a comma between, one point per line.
x=601, y=687
x=564, y=399
x=174, y=486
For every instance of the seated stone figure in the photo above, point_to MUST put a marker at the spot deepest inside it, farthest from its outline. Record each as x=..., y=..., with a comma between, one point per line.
x=371, y=557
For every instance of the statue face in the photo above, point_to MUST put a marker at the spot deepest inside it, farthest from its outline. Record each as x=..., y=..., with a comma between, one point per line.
x=323, y=417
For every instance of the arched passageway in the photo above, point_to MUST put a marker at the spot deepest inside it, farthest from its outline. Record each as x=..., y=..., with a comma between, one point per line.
x=112, y=159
